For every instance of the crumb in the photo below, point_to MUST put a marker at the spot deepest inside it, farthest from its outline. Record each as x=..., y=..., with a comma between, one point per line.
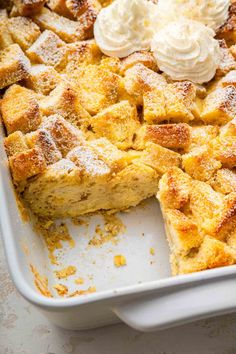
x=25, y=249
x=53, y=235
x=72, y=243
x=79, y=222
x=113, y=226
x=119, y=261
x=79, y=281
x=66, y=272
x=90, y=277
x=61, y=289
x=143, y=234
x=41, y=282
x=152, y=251
x=90, y=290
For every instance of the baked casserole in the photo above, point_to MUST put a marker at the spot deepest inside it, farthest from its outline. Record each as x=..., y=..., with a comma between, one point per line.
x=88, y=131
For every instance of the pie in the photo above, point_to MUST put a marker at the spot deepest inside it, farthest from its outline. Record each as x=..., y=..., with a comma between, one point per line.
x=88, y=132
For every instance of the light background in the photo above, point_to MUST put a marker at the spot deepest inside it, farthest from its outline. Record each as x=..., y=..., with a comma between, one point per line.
x=23, y=330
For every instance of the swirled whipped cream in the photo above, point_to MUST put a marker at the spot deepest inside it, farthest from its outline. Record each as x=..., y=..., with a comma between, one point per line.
x=212, y=13
x=187, y=50
x=125, y=26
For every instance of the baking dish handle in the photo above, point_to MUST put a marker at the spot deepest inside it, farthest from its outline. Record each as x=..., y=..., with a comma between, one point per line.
x=168, y=308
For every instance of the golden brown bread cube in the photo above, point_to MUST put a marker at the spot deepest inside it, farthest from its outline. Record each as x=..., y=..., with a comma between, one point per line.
x=110, y=154
x=14, y=65
x=78, y=8
x=111, y=63
x=180, y=101
x=227, y=62
x=228, y=30
x=29, y=7
x=219, y=106
x=224, y=150
x=20, y=110
x=89, y=162
x=142, y=57
x=154, y=105
x=83, y=52
x=42, y=79
x=64, y=100
x=229, y=79
x=200, y=164
x=64, y=134
x=174, y=189
x=5, y=36
x=87, y=18
x=174, y=102
x=160, y=158
x=223, y=147
x=183, y=233
x=202, y=134
x=139, y=79
x=48, y=49
x=68, y=30
x=15, y=143
x=117, y=123
x=208, y=208
x=172, y=136
x=228, y=130
x=226, y=221
x=42, y=139
x=23, y=31
x=60, y=7
x=96, y=86
x=27, y=164
x=224, y=181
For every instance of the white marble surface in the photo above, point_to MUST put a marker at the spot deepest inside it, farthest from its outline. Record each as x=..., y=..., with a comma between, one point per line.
x=23, y=330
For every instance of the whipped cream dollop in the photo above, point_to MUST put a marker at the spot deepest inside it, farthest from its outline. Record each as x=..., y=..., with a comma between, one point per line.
x=212, y=13
x=187, y=50
x=125, y=26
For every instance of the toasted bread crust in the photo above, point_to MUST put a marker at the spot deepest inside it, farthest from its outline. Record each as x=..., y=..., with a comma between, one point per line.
x=20, y=110
x=172, y=136
x=29, y=7
x=14, y=65
x=27, y=164
x=23, y=31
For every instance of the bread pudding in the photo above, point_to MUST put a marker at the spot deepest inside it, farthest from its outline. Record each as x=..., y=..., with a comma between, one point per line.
x=87, y=132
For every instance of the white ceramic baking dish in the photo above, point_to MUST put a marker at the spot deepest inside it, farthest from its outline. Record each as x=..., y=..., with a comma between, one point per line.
x=142, y=294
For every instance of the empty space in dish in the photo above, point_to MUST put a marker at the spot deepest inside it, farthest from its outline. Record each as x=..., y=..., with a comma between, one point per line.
x=142, y=243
